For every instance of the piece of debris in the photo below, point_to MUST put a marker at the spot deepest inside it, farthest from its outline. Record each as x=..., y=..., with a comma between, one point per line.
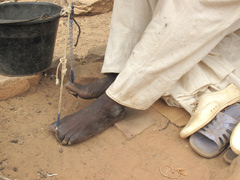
x=3, y=177
x=14, y=141
x=60, y=150
x=41, y=174
x=15, y=169
x=165, y=126
x=3, y=166
x=21, y=141
x=50, y=174
x=12, y=109
x=173, y=173
x=3, y=160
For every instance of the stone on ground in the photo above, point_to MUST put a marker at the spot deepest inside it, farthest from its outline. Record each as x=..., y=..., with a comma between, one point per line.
x=14, y=86
x=88, y=72
x=92, y=7
x=96, y=54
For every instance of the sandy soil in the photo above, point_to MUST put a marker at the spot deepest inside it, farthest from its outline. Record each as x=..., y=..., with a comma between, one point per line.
x=28, y=151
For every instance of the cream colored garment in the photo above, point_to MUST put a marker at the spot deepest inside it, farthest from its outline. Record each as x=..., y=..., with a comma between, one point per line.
x=219, y=68
x=156, y=47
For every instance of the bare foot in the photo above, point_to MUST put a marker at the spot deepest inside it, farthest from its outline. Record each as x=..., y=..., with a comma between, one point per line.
x=92, y=90
x=96, y=117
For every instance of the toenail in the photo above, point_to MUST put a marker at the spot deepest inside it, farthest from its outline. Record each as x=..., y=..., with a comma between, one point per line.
x=64, y=142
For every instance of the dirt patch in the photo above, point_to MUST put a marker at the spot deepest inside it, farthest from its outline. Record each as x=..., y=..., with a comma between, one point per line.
x=29, y=152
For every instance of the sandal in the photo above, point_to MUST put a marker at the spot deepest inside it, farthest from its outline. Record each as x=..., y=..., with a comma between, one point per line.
x=229, y=156
x=212, y=139
x=208, y=107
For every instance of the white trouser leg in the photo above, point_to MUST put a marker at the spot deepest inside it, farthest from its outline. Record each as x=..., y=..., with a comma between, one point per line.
x=179, y=35
x=129, y=20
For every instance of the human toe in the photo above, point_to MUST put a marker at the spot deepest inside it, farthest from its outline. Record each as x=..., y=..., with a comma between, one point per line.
x=52, y=127
x=70, y=86
x=75, y=138
x=67, y=138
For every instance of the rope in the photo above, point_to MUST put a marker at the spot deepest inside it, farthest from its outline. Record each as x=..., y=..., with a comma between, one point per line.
x=63, y=63
x=71, y=41
x=66, y=8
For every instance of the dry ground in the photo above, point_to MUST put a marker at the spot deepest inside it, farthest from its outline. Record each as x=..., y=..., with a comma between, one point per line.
x=28, y=151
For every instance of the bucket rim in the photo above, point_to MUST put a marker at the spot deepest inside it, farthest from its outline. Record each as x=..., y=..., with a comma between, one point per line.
x=30, y=21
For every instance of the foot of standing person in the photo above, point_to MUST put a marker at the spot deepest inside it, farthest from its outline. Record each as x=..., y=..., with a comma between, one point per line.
x=89, y=121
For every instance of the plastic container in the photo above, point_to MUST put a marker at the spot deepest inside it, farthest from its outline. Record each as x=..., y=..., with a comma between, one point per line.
x=27, y=37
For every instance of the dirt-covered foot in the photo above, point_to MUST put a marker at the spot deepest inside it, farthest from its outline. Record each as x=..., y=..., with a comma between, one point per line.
x=92, y=90
x=96, y=117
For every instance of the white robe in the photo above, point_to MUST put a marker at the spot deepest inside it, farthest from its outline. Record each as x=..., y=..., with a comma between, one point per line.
x=174, y=49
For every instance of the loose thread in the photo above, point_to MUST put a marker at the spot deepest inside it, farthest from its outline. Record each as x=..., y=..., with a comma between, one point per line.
x=79, y=32
x=71, y=41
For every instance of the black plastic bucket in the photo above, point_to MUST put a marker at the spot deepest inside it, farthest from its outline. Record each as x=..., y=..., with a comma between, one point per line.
x=27, y=37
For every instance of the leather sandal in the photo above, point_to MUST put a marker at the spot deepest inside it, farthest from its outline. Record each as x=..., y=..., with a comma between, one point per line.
x=208, y=107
